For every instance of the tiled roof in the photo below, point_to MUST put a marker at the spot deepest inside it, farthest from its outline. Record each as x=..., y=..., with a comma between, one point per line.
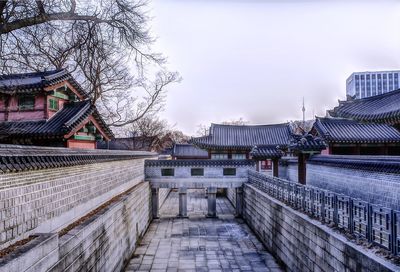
x=265, y=152
x=306, y=143
x=386, y=164
x=63, y=122
x=167, y=151
x=142, y=143
x=244, y=137
x=198, y=163
x=189, y=151
x=350, y=131
x=19, y=158
x=28, y=83
x=383, y=108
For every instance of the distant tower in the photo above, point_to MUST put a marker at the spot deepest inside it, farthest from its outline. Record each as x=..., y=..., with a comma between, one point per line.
x=303, y=109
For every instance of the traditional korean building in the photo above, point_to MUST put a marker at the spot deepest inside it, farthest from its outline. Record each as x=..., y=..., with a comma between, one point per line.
x=384, y=108
x=244, y=142
x=48, y=108
x=351, y=137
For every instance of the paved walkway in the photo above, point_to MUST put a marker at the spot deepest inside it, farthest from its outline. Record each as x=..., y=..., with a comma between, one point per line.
x=198, y=243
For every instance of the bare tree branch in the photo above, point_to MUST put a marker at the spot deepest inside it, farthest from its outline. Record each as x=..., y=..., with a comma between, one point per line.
x=98, y=42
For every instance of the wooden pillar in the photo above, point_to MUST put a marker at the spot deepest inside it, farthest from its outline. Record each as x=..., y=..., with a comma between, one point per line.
x=385, y=150
x=6, y=107
x=302, y=175
x=275, y=165
x=358, y=150
x=258, y=166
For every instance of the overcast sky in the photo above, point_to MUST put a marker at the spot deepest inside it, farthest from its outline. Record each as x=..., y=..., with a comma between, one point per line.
x=256, y=59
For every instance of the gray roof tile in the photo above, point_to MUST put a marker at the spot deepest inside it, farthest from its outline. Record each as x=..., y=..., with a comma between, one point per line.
x=265, y=152
x=63, y=122
x=380, y=108
x=350, y=131
x=244, y=137
x=189, y=151
x=31, y=83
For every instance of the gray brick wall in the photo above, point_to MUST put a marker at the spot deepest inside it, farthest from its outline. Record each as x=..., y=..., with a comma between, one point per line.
x=47, y=200
x=104, y=242
x=375, y=187
x=303, y=244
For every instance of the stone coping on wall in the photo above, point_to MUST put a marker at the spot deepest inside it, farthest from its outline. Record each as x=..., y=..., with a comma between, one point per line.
x=204, y=163
x=25, y=256
x=15, y=158
x=387, y=164
x=328, y=244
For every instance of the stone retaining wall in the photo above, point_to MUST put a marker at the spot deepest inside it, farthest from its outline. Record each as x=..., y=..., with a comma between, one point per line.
x=303, y=244
x=102, y=242
x=49, y=199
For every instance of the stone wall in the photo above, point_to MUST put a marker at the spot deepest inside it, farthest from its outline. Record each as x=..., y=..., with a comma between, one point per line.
x=49, y=199
x=369, y=178
x=211, y=168
x=231, y=195
x=163, y=194
x=303, y=244
x=101, y=242
x=288, y=169
x=376, y=185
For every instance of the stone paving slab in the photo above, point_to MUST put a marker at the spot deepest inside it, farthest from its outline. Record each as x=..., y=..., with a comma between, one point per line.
x=198, y=243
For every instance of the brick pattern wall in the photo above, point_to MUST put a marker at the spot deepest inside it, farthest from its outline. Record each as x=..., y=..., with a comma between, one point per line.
x=110, y=238
x=292, y=172
x=49, y=199
x=303, y=244
x=375, y=187
x=103, y=242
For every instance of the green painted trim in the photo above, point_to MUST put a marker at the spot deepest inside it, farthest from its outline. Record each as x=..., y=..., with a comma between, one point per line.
x=60, y=95
x=84, y=137
x=53, y=104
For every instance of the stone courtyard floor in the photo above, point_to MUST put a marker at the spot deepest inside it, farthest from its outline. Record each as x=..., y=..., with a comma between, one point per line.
x=198, y=243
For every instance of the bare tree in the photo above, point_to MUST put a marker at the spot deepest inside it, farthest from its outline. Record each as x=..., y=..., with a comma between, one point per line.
x=149, y=126
x=238, y=122
x=153, y=127
x=202, y=130
x=105, y=44
x=178, y=137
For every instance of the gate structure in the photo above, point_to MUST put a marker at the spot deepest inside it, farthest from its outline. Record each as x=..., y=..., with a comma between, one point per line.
x=197, y=174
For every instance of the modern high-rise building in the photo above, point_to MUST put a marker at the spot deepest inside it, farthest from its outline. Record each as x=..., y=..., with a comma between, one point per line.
x=366, y=84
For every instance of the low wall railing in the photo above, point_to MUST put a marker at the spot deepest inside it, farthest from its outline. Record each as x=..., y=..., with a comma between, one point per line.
x=378, y=225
